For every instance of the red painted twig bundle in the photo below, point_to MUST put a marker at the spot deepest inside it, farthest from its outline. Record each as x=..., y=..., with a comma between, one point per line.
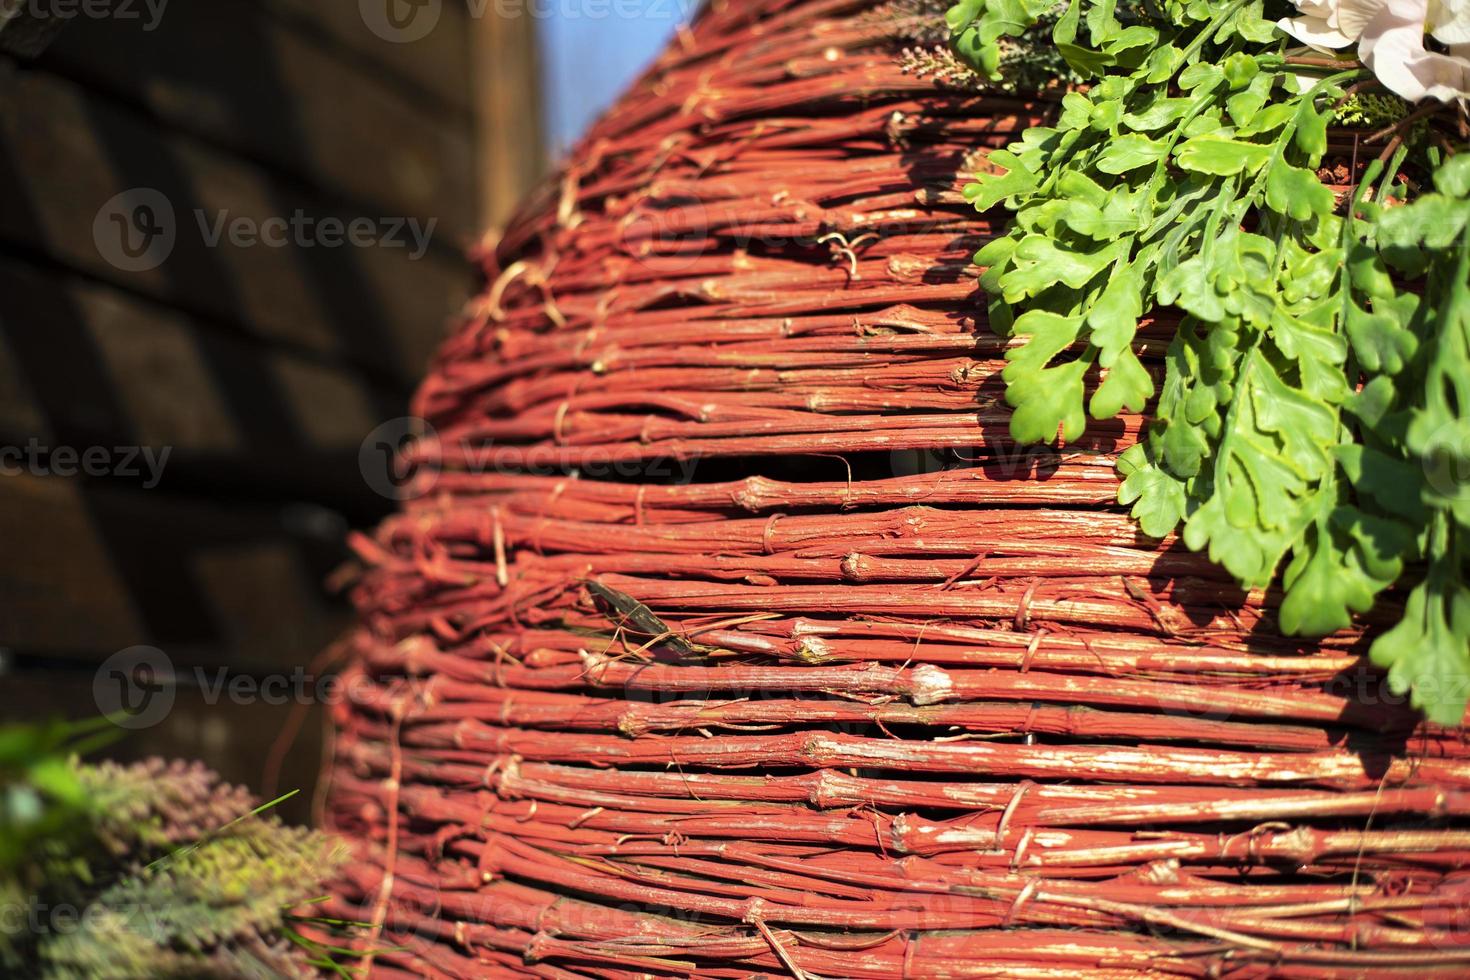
x=733, y=637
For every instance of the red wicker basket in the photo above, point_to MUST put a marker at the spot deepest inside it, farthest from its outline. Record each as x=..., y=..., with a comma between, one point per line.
x=728, y=635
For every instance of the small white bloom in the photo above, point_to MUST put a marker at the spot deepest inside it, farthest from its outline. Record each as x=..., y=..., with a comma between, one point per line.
x=1389, y=35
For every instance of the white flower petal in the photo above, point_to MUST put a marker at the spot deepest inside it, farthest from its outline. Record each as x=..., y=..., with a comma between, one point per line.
x=1444, y=77
x=1353, y=15
x=1393, y=46
x=1315, y=33
x=1449, y=21
x=1317, y=8
x=1390, y=37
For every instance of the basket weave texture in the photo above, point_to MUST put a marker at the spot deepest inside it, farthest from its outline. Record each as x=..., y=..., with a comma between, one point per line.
x=727, y=634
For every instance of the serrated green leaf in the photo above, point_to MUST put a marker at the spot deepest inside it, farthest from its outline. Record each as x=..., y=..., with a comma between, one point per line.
x=1367, y=272
x=1324, y=587
x=1102, y=24
x=1084, y=61
x=1200, y=75
x=1296, y=192
x=1249, y=554
x=963, y=13
x=1160, y=113
x=1158, y=499
x=1161, y=64
x=975, y=50
x=1428, y=652
x=1049, y=334
x=1392, y=484
x=1126, y=384
x=1129, y=152
x=1453, y=177
x=1303, y=341
x=1189, y=287
x=996, y=251
x=1242, y=107
x=1373, y=402
x=990, y=189
x=1310, y=135
x=1270, y=118
x=1048, y=403
x=1221, y=157
x=1039, y=263
x=1113, y=319
x=1381, y=543
x=1306, y=429
x=1381, y=345
x=1134, y=38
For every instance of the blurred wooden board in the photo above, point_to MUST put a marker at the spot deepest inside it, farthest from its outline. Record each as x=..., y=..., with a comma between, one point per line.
x=96, y=568
x=230, y=73
x=65, y=153
x=437, y=64
x=261, y=368
x=89, y=364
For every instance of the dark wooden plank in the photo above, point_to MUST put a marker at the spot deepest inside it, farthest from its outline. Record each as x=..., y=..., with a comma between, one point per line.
x=65, y=155
x=96, y=366
x=62, y=589
x=18, y=404
x=228, y=71
x=436, y=60
x=96, y=569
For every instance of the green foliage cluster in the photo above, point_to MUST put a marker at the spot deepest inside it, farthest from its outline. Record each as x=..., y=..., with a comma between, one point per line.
x=1026, y=63
x=1370, y=110
x=152, y=870
x=1313, y=418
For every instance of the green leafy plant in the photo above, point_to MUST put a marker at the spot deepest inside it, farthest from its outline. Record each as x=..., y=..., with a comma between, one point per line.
x=1313, y=417
x=157, y=869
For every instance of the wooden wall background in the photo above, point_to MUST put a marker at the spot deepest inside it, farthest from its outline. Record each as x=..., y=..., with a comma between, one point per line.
x=263, y=369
